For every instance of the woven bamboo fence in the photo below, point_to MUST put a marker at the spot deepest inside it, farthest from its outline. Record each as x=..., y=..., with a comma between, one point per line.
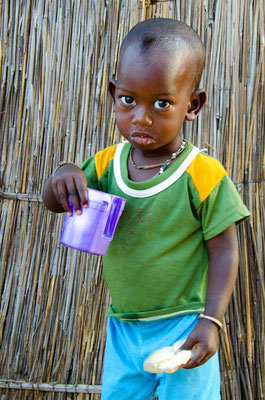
x=56, y=59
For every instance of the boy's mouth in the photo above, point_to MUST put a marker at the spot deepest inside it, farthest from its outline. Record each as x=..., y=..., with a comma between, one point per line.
x=142, y=138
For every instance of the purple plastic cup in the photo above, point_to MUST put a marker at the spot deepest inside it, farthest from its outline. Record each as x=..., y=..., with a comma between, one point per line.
x=93, y=230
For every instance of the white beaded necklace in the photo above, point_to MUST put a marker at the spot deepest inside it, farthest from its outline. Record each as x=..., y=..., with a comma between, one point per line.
x=163, y=165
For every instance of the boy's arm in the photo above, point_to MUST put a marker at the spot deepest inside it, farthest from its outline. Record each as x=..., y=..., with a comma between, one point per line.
x=223, y=269
x=68, y=181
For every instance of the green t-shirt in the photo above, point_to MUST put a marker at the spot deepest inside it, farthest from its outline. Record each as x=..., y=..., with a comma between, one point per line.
x=157, y=265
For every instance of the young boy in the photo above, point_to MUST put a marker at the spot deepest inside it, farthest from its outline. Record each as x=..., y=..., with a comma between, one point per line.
x=174, y=254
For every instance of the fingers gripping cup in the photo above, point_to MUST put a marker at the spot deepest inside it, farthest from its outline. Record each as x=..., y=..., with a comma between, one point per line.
x=93, y=230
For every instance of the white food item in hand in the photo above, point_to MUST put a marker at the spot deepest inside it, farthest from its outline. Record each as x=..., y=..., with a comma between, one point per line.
x=168, y=359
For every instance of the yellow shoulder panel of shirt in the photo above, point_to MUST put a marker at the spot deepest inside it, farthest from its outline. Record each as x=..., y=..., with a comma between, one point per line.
x=206, y=173
x=102, y=159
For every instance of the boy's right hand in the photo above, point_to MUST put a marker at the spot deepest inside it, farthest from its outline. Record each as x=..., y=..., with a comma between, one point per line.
x=69, y=181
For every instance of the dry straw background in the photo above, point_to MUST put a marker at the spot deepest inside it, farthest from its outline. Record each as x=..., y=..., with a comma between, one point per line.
x=56, y=59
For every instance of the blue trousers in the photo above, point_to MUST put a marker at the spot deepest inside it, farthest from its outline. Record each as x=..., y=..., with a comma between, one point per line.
x=129, y=344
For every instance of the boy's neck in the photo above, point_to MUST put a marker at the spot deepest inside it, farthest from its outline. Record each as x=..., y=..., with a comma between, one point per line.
x=139, y=159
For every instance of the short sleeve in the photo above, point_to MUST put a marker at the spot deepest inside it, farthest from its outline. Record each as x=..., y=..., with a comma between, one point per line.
x=221, y=208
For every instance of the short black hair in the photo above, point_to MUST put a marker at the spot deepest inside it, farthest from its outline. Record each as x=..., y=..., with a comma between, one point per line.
x=164, y=33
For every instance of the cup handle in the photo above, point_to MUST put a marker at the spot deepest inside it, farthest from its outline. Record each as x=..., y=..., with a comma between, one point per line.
x=113, y=216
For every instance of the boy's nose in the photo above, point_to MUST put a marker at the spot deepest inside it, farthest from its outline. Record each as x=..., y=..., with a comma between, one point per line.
x=141, y=116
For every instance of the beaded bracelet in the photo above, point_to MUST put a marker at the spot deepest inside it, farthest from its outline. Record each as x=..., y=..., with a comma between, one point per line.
x=216, y=321
x=61, y=163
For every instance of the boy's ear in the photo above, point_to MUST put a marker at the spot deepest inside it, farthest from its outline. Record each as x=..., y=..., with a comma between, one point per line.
x=112, y=89
x=197, y=101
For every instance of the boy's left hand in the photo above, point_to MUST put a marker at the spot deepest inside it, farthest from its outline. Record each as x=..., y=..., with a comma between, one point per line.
x=206, y=339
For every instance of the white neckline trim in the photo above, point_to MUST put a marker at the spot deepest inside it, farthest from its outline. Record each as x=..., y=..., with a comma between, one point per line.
x=157, y=188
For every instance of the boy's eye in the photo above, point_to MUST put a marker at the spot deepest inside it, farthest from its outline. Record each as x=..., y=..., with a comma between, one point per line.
x=161, y=104
x=128, y=101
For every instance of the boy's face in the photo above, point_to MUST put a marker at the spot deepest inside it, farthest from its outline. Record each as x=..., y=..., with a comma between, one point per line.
x=152, y=96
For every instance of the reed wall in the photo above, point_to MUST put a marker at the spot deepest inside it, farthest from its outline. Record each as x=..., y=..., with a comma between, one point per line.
x=56, y=60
